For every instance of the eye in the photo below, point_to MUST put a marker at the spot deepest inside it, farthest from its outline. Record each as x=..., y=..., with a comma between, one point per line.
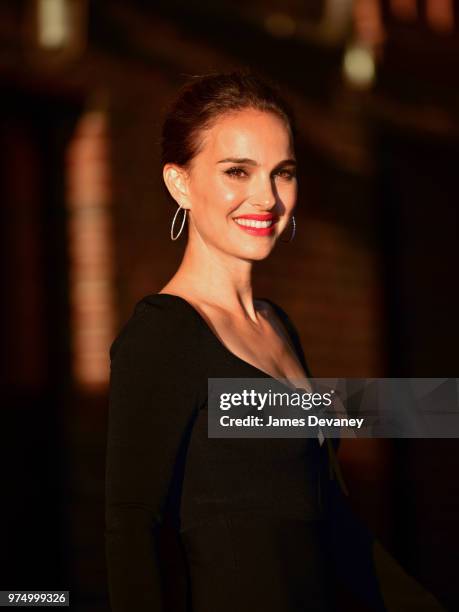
x=284, y=173
x=236, y=172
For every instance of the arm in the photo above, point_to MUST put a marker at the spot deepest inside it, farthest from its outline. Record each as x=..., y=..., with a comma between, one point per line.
x=152, y=399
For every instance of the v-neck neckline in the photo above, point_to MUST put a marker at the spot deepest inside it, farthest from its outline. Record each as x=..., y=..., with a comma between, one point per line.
x=223, y=346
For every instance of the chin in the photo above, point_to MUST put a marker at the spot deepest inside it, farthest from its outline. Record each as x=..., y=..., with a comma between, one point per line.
x=257, y=253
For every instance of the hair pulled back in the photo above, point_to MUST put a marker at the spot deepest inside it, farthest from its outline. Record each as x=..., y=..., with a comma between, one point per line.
x=202, y=101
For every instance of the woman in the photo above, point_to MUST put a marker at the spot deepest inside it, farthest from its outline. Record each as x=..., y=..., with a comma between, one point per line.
x=250, y=513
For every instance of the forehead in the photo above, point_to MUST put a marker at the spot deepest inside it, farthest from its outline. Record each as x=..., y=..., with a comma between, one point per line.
x=249, y=133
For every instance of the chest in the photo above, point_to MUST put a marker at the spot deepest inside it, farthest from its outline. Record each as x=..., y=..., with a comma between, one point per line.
x=267, y=348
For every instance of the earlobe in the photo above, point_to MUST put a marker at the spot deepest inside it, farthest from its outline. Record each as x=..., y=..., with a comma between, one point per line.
x=175, y=180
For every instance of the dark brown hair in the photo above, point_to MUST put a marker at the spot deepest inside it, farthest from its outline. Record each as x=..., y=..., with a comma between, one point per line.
x=204, y=99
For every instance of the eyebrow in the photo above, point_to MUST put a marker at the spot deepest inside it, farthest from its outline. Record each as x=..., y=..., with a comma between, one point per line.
x=252, y=162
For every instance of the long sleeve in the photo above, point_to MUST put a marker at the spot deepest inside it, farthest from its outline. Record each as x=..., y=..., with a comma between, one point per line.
x=154, y=392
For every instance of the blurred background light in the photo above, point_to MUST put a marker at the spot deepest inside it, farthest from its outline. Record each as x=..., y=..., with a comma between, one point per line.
x=54, y=25
x=55, y=30
x=359, y=66
x=90, y=248
x=440, y=15
x=368, y=23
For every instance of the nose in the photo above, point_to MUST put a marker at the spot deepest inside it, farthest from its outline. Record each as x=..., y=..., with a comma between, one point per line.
x=264, y=196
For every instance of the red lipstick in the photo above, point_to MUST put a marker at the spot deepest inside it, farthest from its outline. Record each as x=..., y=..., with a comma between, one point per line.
x=265, y=217
x=258, y=231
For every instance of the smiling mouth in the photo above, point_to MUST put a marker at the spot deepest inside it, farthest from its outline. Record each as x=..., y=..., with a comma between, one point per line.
x=257, y=227
x=254, y=223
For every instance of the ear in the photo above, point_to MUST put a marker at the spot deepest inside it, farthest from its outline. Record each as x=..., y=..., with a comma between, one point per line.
x=176, y=179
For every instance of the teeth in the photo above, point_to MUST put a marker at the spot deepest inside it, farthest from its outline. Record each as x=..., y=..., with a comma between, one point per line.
x=253, y=223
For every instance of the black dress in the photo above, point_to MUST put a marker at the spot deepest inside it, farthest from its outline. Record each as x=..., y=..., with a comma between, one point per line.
x=250, y=513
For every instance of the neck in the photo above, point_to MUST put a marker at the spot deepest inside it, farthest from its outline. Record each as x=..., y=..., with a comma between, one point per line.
x=216, y=278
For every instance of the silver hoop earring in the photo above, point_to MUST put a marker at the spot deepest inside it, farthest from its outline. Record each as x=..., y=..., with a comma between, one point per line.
x=173, y=223
x=292, y=235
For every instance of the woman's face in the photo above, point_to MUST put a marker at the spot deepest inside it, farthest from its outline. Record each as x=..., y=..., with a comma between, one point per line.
x=245, y=168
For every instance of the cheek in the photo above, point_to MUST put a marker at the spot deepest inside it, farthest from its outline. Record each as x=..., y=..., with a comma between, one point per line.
x=214, y=202
x=213, y=195
x=228, y=193
x=288, y=193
